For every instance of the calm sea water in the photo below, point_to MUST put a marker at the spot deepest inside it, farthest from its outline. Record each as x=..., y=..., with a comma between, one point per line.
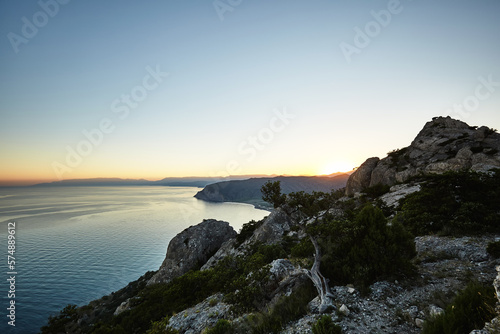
x=76, y=244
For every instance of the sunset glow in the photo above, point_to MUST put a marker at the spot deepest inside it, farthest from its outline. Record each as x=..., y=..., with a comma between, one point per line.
x=172, y=88
x=337, y=167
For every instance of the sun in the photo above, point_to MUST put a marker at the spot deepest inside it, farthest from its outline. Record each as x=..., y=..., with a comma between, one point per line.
x=337, y=167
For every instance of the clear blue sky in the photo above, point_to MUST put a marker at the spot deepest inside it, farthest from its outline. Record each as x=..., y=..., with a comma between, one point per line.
x=346, y=86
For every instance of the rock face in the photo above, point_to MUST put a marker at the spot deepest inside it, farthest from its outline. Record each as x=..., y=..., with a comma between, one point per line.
x=275, y=226
x=444, y=144
x=204, y=315
x=361, y=178
x=398, y=192
x=192, y=248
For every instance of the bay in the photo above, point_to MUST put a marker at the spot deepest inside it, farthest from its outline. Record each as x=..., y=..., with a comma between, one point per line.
x=76, y=244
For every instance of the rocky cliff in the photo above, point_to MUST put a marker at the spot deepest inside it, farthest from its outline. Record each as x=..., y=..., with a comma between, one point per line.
x=264, y=265
x=192, y=248
x=444, y=144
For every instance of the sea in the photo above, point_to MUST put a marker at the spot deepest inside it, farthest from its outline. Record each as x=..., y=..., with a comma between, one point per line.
x=71, y=245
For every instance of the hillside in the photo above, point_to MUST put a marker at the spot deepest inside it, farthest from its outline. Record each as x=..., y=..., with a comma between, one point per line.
x=416, y=254
x=444, y=144
x=248, y=191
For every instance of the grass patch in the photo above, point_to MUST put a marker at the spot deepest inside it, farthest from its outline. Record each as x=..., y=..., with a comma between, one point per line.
x=287, y=309
x=470, y=309
x=325, y=325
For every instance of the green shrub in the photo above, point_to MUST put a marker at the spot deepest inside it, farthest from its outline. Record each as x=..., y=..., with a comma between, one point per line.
x=377, y=190
x=160, y=327
x=398, y=157
x=325, y=325
x=304, y=248
x=271, y=193
x=221, y=327
x=455, y=203
x=57, y=324
x=470, y=309
x=287, y=309
x=228, y=276
x=263, y=254
x=366, y=249
x=494, y=249
x=247, y=230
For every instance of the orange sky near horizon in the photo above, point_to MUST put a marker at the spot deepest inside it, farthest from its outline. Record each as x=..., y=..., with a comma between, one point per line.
x=15, y=180
x=274, y=87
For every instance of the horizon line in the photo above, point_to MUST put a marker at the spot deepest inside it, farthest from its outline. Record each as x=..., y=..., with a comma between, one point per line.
x=34, y=182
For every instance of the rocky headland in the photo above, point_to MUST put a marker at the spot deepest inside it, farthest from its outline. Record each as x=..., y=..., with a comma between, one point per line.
x=248, y=191
x=214, y=280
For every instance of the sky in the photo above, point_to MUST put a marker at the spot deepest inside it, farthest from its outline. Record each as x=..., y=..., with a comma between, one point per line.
x=154, y=89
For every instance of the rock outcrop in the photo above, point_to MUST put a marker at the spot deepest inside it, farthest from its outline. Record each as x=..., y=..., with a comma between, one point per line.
x=192, y=248
x=275, y=226
x=444, y=144
x=395, y=307
x=361, y=178
x=203, y=315
x=398, y=192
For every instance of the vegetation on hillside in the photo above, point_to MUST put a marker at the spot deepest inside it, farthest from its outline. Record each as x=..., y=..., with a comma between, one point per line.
x=471, y=309
x=456, y=203
x=359, y=248
x=353, y=241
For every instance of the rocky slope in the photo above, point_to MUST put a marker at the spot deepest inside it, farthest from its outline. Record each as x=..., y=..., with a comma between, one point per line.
x=402, y=307
x=444, y=144
x=443, y=265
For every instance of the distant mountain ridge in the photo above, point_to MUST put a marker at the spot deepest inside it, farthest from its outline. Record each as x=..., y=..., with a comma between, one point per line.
x=248, y=191
x=190, y=181
x=95, y=182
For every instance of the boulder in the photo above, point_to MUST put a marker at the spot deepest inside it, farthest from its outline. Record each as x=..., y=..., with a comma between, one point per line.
x=444, y=144
x=125, y=306
x=361, y=178
x=435, y=311
x=398, y=192
x=275, y=226
x=201, y=316
x=281, y=269
x=344, y=310
x=192, y=248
